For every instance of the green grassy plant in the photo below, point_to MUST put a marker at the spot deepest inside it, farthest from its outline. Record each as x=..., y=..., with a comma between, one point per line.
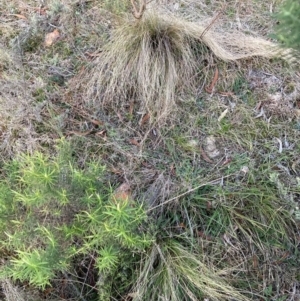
x=49, y=203
x=117, y=6
x=288, y=19
x=253, y=213
x=60, y=224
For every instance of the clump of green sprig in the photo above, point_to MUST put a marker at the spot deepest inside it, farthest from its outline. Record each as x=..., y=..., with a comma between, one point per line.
x=53, y=212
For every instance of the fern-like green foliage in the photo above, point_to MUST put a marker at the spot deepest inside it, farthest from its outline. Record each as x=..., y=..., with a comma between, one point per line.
x=287, y=30
x=51, y=211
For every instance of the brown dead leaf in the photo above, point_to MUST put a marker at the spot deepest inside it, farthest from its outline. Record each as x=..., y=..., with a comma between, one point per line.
x=120, y=116
x=227, y=161
x=122, y=193
x=131, y=107
x=80, y=133
x=146, y=164
x=134, y=142
x=48, y=291
x=52, y=37
x=255, y=261
x=182, y=225
x=222, y=93
x=96, y=122
x=173, y=169
x=210, y=88
x=204, y=155
x=102, y=134
x=144, y=119
x=18, y=16
x=209, y=205
x=116, y=171
x=94, y=54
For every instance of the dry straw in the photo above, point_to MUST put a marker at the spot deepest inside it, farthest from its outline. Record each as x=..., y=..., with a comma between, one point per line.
x=173, y=272
x=154, y=59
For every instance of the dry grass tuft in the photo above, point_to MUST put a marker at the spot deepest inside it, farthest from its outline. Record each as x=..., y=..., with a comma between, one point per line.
x=173, y=272
x=20, y=113
x=155, y=59
x=14, y=292
x=146, y=61
x=11, y=292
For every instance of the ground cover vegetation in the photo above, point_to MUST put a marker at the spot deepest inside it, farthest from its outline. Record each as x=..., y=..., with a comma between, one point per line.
x=149, y=151
x=288, y=22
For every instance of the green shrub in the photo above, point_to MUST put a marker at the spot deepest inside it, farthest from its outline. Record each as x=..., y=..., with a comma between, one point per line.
x=52, y=212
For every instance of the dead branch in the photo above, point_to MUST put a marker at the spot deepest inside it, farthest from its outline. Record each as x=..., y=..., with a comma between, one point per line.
x=213, y=21
x=138, y=13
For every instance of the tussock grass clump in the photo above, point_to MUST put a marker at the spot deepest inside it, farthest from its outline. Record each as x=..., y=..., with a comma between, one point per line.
x=174, y=272
x=156, y=59
x=146, y=61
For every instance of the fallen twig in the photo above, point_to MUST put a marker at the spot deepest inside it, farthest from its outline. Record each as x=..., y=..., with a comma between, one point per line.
x=189, y=191
x=138, y=13
x=213, y=21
